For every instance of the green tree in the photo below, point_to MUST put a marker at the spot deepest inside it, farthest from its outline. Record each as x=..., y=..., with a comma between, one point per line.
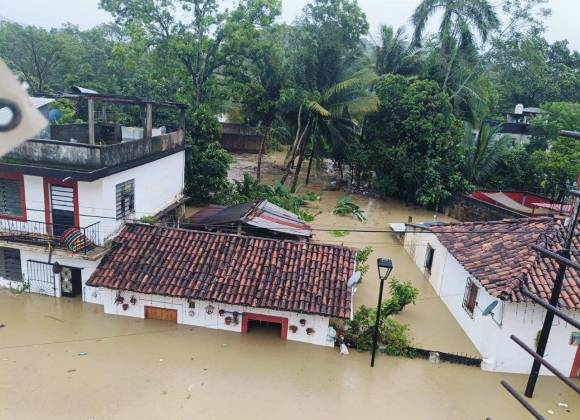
x=415, y=141
x=393, y=53
x=484, y=147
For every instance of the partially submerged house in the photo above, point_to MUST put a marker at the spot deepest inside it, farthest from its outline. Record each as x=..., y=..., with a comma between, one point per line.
x=226, y=281
x=259, y=219
x=488, y=205
x=472, y=265
x=65, y=193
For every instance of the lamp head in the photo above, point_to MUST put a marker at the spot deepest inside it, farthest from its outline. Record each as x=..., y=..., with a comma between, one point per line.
x=385, y=266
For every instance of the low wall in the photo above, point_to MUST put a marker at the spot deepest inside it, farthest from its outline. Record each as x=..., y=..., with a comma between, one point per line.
x=468, y=209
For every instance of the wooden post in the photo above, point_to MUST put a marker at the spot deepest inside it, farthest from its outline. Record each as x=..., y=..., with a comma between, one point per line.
x=148, y=129
x=91, y=122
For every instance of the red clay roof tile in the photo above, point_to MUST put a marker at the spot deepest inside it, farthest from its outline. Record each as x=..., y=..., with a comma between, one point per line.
x=498, y=253
x=246, y=271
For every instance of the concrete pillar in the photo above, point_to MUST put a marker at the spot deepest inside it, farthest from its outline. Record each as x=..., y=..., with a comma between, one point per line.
x=91, y=122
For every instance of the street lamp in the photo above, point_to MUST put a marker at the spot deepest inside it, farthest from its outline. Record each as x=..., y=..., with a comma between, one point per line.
x=385, y=266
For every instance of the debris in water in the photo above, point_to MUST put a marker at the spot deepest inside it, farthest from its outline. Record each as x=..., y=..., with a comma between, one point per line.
x=2, y=325
x=71, y=370
x=54, y=318
x=343, y=349
x=160, y=360
x=561, y=404
x=434, y=357
x=83, y=353
x=550, y=411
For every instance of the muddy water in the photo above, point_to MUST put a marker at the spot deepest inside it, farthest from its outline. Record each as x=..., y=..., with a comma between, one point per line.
x=151, y=369
x=431, y=324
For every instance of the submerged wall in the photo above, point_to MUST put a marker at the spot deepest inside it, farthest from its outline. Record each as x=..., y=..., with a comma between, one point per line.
x=195, y=312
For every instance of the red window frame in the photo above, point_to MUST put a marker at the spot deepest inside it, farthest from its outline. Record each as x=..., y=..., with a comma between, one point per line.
x=470, y=297
x=16, y=177
x=47, y=182
x=247, y=317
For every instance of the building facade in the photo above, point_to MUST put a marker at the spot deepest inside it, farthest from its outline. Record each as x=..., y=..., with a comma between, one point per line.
x=470, y=271
x=226, y=281
x=64, y=195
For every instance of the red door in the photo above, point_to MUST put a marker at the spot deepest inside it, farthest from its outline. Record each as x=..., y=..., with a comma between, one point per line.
x=575, y=372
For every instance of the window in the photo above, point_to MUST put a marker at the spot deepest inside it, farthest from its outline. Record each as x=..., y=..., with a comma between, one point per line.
x=125, y=199
x=470, y=296
x=11, y=193
x=10, y=267
x=429, y=258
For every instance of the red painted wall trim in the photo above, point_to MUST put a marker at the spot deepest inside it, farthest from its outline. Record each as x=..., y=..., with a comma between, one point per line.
x=247, y=317
x=18, y=177
x=576, y=365
x=70, y=183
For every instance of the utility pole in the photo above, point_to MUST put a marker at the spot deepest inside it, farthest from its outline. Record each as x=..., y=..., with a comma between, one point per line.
x=556, y=290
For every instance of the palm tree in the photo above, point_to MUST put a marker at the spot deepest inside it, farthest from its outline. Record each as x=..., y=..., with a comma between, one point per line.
x=461, y=21
x=393, y=53
x=483, y=150
x=333, y=116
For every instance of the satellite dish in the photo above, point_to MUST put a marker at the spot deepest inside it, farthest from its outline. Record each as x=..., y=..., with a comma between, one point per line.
x=487, y=311
x=354, y=279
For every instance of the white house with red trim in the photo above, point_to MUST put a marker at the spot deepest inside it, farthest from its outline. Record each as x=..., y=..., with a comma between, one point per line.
x=472, y=265
x=65, y=194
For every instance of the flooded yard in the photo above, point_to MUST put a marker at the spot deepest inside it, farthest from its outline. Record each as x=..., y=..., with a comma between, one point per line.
x=62, y=359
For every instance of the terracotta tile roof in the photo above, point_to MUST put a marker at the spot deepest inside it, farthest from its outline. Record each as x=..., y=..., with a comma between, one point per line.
x=239, y=270
x=498, y=253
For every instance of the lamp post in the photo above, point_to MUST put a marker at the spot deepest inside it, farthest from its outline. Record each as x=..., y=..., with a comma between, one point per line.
x=385, y=266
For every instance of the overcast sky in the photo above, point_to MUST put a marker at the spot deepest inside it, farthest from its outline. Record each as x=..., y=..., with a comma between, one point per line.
x=85, y=13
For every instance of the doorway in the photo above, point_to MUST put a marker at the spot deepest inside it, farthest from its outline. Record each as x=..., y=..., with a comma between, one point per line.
x=71, y=282
x=160, y=314
x=278, y=325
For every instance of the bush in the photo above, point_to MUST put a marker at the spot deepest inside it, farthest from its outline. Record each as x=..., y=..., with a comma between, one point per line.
x=393, y=335
x=362, y=256
x=346, y=207
x=206, y=172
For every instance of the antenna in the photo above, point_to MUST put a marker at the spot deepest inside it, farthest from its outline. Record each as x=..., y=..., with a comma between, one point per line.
x=489, y=310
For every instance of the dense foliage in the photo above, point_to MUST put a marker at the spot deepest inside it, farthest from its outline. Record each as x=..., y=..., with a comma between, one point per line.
x=389, y=109
x=393, y=335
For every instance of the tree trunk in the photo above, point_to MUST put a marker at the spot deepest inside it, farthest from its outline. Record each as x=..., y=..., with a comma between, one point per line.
x=262, y=143
x=291, y=160
x=299, y=165
x=312, y=156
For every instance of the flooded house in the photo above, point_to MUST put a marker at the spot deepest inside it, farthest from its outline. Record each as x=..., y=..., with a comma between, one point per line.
x=227, y=281
x=478, y=270
x=66, y=192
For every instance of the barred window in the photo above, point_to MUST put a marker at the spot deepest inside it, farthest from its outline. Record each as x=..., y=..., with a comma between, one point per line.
x=470, y=296
x=10, y=267
x=125, y=199
x=10, y=197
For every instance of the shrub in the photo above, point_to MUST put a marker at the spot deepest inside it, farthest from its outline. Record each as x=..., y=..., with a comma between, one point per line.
x=339, y=233
x=362, y=256
x=403, y=293
x=346, y=207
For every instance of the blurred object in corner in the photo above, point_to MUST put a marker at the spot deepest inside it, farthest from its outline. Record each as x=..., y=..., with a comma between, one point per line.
x=19, y=119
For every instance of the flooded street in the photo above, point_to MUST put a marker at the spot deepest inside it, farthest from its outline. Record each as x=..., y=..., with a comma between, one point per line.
x=61, y=359
x=64, y=359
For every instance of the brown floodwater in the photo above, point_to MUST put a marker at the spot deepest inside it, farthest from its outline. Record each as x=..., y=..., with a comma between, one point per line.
x=64, y=359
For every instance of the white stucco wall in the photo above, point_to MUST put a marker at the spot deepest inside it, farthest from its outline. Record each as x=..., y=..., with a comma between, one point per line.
x=200, y=318
x=87, y=268
x=157, y=185
x=493, y=341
